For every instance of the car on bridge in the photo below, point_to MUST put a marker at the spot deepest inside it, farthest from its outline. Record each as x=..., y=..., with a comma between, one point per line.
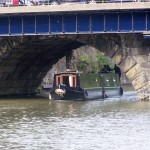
x=12, y=2
x=58, y=2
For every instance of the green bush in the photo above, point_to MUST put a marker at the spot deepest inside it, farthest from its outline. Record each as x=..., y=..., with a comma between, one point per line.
x=83, y=62
x=86, y=64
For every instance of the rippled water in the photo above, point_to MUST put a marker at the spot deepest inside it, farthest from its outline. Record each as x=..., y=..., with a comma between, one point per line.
x=120, y=123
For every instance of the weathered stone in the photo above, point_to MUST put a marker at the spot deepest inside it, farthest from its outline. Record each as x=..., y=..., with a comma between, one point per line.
x=145, y=65
x=141, y=58
x=132, y=73
x=144, y=93
x=148, y=58
x=117, y=58
x=127, y=64
x=139, y=81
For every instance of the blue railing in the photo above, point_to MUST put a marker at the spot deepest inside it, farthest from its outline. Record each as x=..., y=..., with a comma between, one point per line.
x=9, y=3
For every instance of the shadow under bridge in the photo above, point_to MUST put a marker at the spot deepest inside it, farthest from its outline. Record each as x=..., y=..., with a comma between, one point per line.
x=24, y=61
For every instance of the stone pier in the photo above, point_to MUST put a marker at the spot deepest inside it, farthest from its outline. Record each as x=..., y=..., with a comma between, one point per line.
x=134, y=61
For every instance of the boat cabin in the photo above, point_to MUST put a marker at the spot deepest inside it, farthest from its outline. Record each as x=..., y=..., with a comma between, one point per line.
x=86, y=80
x=70, y=79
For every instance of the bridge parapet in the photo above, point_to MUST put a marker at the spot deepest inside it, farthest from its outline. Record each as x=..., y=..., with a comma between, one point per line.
x=76, y=8
x=25, y=3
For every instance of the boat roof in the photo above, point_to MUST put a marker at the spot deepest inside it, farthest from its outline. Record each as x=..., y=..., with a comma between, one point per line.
x=68, y=71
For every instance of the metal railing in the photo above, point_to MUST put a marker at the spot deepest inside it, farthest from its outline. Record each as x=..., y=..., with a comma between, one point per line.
x=9, y=3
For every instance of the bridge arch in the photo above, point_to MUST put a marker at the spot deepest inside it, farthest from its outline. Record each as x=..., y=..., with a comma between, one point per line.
x=24, y=61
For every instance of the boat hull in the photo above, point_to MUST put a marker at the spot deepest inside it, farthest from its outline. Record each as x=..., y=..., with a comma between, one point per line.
x=100, y=93
x=69, y=95
x=86, y=94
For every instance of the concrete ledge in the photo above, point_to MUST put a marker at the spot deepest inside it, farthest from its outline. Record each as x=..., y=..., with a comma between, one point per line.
x=75, y=7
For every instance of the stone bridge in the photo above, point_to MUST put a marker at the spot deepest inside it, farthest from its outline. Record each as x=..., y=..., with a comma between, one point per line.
x=24, y=61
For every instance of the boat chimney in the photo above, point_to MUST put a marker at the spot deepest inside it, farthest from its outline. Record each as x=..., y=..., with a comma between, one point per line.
x=68, y=59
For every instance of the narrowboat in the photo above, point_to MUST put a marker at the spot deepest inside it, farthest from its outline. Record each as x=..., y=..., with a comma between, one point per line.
x=74, y=85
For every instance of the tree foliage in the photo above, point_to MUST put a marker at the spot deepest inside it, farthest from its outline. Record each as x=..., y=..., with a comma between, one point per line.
x=86, y=64
x=83, y=62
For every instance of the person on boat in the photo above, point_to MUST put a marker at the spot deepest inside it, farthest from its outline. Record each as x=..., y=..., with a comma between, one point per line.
x=117, y=71
x=106, y=69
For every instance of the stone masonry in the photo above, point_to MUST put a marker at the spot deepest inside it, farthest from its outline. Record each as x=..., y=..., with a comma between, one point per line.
x=24, y=61
x=131, y=52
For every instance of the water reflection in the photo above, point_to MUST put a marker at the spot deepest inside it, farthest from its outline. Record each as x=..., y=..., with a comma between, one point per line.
x=40, y=124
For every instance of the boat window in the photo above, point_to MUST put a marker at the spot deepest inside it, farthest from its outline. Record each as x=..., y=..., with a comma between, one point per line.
x=109, y=79
x=68, y=80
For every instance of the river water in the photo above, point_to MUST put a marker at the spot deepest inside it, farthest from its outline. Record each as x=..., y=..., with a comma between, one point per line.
x=121, y=123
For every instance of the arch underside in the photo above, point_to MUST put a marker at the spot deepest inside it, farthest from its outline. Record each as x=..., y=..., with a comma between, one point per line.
x=25, y=61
